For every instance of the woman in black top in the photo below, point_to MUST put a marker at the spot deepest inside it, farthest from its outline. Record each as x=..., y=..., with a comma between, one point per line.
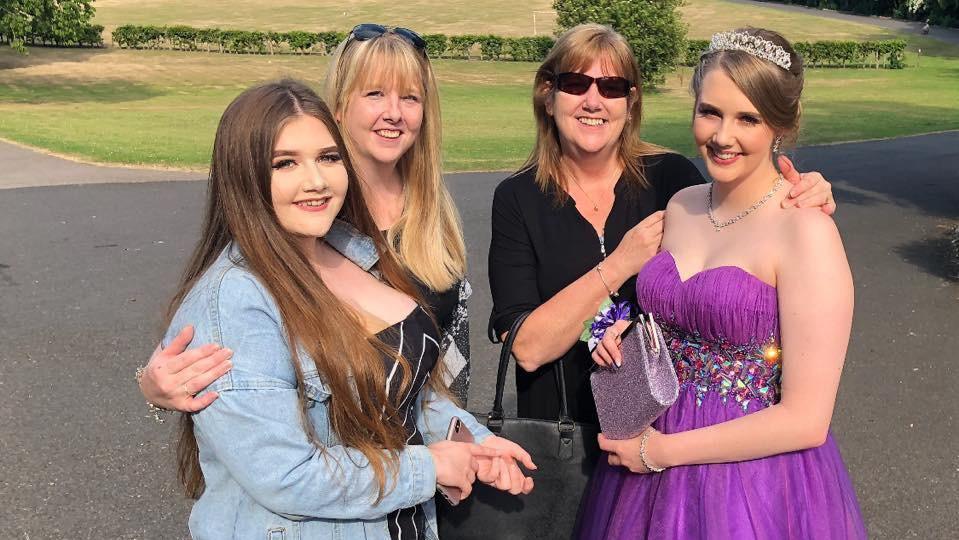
x=580, y=220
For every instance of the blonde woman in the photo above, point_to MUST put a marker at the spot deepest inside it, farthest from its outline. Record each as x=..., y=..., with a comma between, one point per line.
x=383, y=93
x=756, y=302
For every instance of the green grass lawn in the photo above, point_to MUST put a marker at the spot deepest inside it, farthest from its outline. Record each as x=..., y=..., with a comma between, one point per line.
x=161, y=107
x=501, y=17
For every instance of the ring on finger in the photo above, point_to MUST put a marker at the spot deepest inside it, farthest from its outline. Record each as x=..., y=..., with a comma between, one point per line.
x=186, y=390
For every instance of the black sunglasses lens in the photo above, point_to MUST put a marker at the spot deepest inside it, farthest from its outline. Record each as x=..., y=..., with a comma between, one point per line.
x=412, y=37
x=367, y=31
x=613, y=87
x=573, y=83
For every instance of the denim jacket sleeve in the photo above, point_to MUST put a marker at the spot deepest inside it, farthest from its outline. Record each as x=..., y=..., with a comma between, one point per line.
x=437, y=413
x=254, y=430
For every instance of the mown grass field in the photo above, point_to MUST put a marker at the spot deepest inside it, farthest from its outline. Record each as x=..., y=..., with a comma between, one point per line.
x=161, y=107
x=425, y=16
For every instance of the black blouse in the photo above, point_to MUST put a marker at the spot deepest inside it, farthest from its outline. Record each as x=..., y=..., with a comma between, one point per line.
x=538, y=248
x=417, y=339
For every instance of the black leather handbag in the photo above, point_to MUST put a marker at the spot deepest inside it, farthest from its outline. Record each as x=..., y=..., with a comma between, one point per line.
x=565, y=453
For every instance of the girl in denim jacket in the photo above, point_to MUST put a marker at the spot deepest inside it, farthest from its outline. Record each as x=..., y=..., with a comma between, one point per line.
x=331, y=422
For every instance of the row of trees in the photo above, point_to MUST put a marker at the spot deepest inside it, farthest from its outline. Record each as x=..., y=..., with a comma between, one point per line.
x=941, y=12
x=886, y=53
x=48, y=22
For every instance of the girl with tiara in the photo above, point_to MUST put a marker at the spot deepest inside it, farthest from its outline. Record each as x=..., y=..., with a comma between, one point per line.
x=755, y=302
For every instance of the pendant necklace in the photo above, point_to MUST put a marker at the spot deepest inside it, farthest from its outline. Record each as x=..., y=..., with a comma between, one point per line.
x=719, y=225
x=595, y=206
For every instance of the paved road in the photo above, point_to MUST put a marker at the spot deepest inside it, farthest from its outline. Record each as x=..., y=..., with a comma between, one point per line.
x=949, y=35
x=86, y=269
x=23, y=167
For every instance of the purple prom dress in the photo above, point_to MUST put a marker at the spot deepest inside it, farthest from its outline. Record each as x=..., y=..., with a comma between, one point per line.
x=719, y=325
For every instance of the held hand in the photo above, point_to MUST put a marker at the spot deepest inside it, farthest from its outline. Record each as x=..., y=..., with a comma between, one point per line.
x=809, y=190
x=639, y=244
x=626, y=452
x=503, y=472
x=174, y=375
x=457, y=462
x=607, y=353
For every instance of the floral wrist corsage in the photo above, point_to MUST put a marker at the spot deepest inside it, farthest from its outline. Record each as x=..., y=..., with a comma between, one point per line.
x=609, y=312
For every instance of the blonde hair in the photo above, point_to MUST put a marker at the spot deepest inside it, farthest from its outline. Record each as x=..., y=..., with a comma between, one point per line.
x=428, y=237
x=774, y=91
x=576, y=50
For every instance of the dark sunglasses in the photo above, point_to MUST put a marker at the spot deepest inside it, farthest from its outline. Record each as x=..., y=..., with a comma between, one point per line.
x=578, y=84
x=368, y=31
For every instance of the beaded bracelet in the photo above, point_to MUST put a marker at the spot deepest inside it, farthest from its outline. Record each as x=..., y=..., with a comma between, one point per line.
x=612, y=294
x=642, y=452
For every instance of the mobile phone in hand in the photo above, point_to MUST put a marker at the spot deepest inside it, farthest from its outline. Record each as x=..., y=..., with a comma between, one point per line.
x=457, y=432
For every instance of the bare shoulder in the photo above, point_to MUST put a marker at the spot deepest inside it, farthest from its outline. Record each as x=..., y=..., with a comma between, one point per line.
x=809, y=225
x=688, y=200
x=811, y=238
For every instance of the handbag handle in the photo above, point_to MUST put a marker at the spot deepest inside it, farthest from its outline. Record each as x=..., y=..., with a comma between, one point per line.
x=495, y=418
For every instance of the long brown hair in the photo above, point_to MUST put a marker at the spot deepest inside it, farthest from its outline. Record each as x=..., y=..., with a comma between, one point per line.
x=428, y=236
x=239, y=210
x=575, y=50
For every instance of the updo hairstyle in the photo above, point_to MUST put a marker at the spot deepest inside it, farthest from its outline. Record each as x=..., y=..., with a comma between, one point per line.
x=774, y=91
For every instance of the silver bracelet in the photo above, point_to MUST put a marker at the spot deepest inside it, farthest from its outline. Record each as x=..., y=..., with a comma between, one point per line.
x=599, y=270
x=155, y=410
x=642, y=453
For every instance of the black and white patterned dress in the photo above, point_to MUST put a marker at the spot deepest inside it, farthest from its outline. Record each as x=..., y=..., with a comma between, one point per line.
x=449, y=309
x=417, y=339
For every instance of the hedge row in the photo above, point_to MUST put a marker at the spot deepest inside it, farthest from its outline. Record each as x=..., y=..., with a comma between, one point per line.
x=887, y=53
x=187, y=38
x=246, y=42
x=87, y=36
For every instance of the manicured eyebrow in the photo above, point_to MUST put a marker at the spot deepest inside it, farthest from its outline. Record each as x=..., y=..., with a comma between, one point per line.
x=281, y=152
x=706, y=105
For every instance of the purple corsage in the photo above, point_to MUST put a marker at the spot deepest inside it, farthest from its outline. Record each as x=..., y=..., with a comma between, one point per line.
x=609, y=313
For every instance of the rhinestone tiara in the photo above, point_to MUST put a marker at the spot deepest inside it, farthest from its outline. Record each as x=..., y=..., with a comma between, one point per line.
x=754, y=45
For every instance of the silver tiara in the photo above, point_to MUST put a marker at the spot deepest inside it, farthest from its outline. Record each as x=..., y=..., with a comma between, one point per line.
x=754, y=45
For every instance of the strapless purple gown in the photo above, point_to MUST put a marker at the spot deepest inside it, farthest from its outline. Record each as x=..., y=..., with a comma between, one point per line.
x=720, y=325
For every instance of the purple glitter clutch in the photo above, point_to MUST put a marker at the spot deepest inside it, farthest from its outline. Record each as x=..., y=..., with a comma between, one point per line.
x=629, y=398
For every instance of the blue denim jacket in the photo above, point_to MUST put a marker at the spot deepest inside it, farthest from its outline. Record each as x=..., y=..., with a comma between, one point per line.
x=264, y=478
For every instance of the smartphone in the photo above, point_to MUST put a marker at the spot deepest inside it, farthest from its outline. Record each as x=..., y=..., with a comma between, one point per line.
x=460, y=433
x=623, y=334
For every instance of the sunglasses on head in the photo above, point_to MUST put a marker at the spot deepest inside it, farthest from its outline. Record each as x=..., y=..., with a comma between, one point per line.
x=368, y=31
x=578, y=84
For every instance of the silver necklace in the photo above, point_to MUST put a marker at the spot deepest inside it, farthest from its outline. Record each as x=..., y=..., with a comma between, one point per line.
x=718, y=226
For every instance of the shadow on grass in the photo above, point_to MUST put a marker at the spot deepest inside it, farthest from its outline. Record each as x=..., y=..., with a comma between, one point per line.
x=39, y=90
x=38, y=56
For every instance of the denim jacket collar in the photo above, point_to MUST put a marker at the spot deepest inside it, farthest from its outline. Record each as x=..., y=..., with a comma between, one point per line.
x=344, y=238
x=352, y=244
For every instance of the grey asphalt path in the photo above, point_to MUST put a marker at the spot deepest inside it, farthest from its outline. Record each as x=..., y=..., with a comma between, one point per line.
x=85, y=271
x=23, y=167
x=949, y=35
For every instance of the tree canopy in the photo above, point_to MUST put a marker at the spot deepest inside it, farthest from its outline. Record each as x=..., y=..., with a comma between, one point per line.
x=54, y=22
x=653, y=28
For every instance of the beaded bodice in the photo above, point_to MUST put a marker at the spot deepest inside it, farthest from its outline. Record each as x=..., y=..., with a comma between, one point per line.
x=721, y=326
